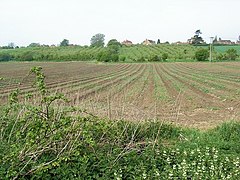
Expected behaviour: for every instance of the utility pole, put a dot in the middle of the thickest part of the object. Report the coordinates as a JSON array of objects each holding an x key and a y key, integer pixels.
[{"x": 211, "y": 44}]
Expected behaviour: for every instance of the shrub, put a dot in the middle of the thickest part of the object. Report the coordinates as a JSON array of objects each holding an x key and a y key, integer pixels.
[
  {"x": 164, "y": 56},
  {"x": 220, "y": 56},
  {"x": 201, "y": 54},
  {"x": 5, "y": 57},
  {"x": 122, "y": 58},
  {"x": 155, "y": 58},
  {"x": 231, "y": 54},
  {"x": 27, "y": 56}
]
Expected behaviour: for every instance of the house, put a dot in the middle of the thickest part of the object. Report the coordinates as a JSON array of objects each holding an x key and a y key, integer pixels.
[
  {"x": 148, "y": 42},
  {"x": 127, "y": 43},
  {"x": 225, "y": 42}
]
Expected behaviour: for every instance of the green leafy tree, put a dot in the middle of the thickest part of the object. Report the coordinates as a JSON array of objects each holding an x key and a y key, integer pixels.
[
  {"x": 98, "y": 40},
  {"x": 108, "y": 55},
  {"x": 201, "y": 54},
  {"x": 64, "y": 42},
  {"x": 111, "y": 52},
  {"x": 158, "y": 41},
  {"x": 197, "y": 39},
  {"x": 113, "y": 42},
  {"x": 34, "y": 45}
]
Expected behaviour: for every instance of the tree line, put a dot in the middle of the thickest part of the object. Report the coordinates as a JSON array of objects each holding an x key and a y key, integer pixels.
[{"x": 98, "y": 51}]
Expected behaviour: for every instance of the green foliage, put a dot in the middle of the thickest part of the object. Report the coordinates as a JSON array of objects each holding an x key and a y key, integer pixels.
[
  {"x": 202, "y": 54},
  {"x": 108, "y": 56},
  {"x": 98, "y": 40},
  {"x": 113, "y": 42},
  {"x": 164, "y": 56},
  {"x": 5, "y": 57},
  {"x": 64, "y": 42},
  {"x": 146, "y": 53},
  {"x": 220, "y": 56},
  {"x": 131, "y": 53},
  {"x": 41, "y": 141},
  {"x": 231, "y": 54},
  {"x": 197, "y": 39},
  {"x": 27, "y": 56},
  {"x": 111, "y": 53},
  {"x": 122, "y": 58},
  {"x": 34, "y": 45},
  {"x": 155, "y": 58}
]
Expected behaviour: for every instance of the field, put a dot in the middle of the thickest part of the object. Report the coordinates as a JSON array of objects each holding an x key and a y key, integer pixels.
[
  {"x": 222, "y": 49},
  {"x": 200, "y": 95}
]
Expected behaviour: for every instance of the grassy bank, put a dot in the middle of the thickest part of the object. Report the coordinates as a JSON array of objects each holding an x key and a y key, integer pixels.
[{"x": 91, "y": 148}]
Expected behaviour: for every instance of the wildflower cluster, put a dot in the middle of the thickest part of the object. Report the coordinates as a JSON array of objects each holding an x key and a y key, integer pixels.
[{"x": 200, "y": 164}]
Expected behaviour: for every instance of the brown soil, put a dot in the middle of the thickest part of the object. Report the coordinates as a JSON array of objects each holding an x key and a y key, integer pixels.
[{"x": 127, "y": 91}]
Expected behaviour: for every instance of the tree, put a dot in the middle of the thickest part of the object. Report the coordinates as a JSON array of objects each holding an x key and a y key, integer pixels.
[
  {"x": 98, "y": 40},
  {"x": 114, "y": 46},
  {"x": 197, "y": 39},
  {"x": 34, "y": 45},
  {"x": 113, "y": 42},
  {"x": 111, "y": 52},
  {"x": 64, "y": 42},
  {"x": 158, "y": 41},
  {"x": 108, "y": 55},
  {"x": 202, "y": 54},
  {"x": 11, "y": 45}
]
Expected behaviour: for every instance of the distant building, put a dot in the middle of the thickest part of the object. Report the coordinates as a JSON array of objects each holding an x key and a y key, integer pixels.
[
  {"x": 148, "y": 42},
  {"x": 224, "y": 42},
  {"x": 127, "y": 43}
]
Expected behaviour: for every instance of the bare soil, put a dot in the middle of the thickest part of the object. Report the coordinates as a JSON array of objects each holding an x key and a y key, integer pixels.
[{"x": 199, "y": 95}]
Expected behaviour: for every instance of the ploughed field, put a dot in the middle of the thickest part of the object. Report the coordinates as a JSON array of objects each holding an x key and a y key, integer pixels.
[{"x": 200, "y": 95}]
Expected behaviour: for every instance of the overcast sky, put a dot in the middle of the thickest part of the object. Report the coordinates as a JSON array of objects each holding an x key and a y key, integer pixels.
[{"x": 50, "y": 21}]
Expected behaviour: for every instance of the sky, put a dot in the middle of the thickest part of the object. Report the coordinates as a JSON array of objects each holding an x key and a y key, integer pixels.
[{"x": 50, "y": 21}]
